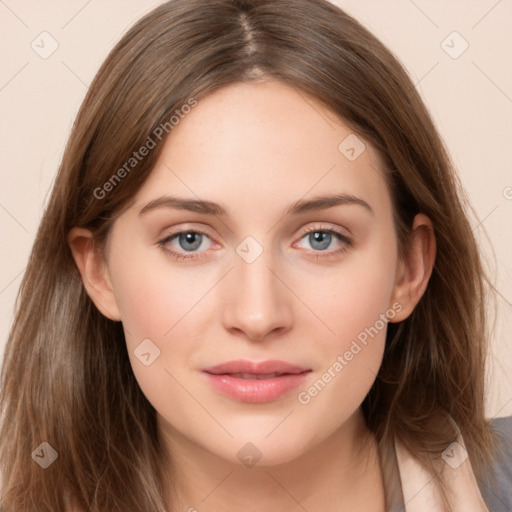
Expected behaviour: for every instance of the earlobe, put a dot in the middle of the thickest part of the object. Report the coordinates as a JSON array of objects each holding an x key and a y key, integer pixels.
[
  {"x": 414, "y": 270},
  {"x": 94, "y": 272}
]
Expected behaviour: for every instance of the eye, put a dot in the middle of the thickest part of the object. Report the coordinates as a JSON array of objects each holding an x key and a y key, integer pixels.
[
  {"x": 321, "y": 239},
  {"x": 184, "y": 244}
]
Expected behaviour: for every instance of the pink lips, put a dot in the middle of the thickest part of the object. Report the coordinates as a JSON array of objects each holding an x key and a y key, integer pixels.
[{"x": 249, "y": 381}]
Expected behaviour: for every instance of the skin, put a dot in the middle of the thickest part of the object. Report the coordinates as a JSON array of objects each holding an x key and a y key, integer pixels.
[{"x": 257, "y": 148}]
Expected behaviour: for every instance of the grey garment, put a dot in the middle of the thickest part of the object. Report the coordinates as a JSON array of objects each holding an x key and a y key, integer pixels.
[{"x": 496, "y": 488}]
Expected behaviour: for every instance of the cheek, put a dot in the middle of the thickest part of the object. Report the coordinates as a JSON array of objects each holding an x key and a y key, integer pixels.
[
  {"x": 155, "y": 296},
  {"x": 351, "y": 357},
  {"x": 164, "y": 304},
  {"x": 147, "y": 304},
  {"x": 153, "y": 306},
  {"x": 351, "y": 300},
  {"x": 354, "y": 303}
]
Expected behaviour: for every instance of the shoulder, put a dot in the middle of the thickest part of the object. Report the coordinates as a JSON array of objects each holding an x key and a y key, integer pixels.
[{"x": 497, "y": 488}]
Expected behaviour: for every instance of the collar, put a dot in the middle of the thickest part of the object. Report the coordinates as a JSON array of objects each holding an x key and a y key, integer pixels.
[{"x": 410, "y": 487}]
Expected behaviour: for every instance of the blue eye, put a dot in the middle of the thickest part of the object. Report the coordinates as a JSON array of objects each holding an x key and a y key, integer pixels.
[
  {"x": 189, "y": 242},
  {"x": 320, "y": 240}
]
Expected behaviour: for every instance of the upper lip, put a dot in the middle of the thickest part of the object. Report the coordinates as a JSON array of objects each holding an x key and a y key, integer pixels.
[{"x": 255, "y": 368}]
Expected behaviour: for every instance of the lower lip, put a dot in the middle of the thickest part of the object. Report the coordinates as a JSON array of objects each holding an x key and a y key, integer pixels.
[{"x": 256, "y": 390}]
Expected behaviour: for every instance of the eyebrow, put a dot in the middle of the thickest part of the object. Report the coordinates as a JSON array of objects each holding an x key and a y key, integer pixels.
[{"x": 299, "y": 207}]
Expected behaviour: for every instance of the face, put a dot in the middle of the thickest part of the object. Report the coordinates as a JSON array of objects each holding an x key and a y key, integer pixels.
[{"x": 291, "y": 263}]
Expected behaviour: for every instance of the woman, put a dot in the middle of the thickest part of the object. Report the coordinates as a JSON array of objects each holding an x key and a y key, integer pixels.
[{"x": 255, "y": 284}]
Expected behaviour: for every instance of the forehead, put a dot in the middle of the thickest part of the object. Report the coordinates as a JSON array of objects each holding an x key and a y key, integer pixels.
[{"x": 263, "y": 144}]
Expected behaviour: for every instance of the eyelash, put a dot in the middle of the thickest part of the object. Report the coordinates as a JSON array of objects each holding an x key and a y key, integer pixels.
[{"x": 346, "y": 243}]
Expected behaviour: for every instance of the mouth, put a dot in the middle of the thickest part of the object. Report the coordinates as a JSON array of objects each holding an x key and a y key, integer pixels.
[
  {"x": 247, "y": 381},
  {"x": 256, "y": 376}
]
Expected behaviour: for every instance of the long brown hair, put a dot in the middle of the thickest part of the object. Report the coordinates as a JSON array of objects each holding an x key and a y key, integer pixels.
[{"x": 66, "y": 376}]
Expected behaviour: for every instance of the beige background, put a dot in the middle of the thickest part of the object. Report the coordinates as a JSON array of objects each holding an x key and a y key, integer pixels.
[{"x": 470, "y": 98}]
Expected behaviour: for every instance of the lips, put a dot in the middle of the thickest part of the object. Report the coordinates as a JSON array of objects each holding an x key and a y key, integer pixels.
[
  {"x": 248, "y": 381},
  {"x": 253, "y": 376},
  {"x": 264, "y": 368}
]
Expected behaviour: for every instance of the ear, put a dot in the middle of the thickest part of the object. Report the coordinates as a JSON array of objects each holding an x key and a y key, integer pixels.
[
  {"x": 415, "y": 268},
  {"x": 93, "y": 268}
]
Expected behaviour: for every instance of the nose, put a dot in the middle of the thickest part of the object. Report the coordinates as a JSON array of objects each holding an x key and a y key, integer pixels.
[{"x": 258, "y": 303}]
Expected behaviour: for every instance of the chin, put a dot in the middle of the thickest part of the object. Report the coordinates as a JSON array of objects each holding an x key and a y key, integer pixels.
[{"x": 262, "y": 452}]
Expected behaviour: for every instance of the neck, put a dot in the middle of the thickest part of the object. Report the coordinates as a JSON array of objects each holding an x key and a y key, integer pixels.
[{"x": 334, "y": 475}]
